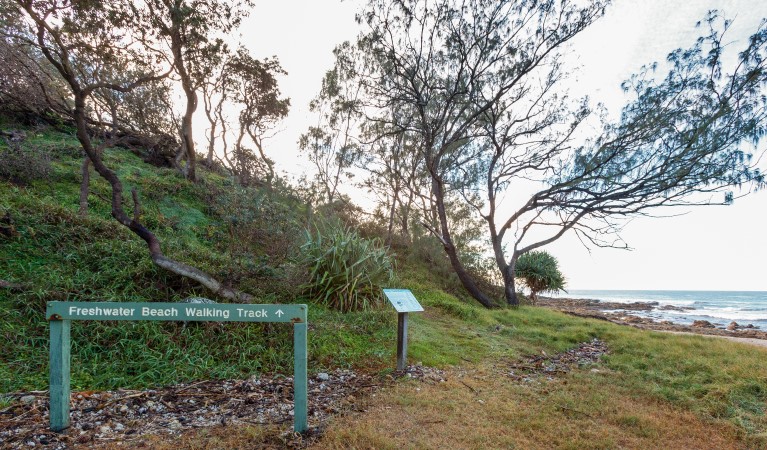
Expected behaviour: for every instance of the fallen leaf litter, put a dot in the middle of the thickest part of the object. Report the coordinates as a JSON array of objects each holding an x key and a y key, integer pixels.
[
  {"x": 585, "y": 354},
  {"x": 127, "y": 415}
]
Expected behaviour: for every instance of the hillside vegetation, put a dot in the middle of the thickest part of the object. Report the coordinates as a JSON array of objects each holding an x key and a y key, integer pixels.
[{"x": 248, "y": 237}]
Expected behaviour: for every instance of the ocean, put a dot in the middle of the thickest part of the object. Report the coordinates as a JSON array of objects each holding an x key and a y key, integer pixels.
[{"x": 718, "y": 307}]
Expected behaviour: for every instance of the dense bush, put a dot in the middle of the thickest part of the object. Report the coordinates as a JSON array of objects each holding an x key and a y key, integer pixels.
[
  {"x": 23, "y": 164},
  {"x": 539, "y": 271},
  {"x": 346, "y": 271}
]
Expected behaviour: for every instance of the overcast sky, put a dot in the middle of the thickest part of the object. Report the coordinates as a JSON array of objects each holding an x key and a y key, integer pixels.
[{"x": 707, "y": 248}]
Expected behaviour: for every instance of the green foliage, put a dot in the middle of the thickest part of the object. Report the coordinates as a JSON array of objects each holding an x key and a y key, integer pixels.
[
  {"x": 540, "y": 272},
  {"x": 24, "y": 164},
  {"x": 346, "y": 271},
  {"x": 58, "y": 255}
]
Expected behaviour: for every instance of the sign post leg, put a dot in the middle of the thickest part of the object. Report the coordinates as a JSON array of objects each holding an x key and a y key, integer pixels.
[
  {"x": 401, "y": 341},
  {"x": 59, "y": 372},
  {"x": 299, "y": 377}
]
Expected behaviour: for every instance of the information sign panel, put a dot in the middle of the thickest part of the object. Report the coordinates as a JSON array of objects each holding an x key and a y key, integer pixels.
[{"x": 403, "y": 300}]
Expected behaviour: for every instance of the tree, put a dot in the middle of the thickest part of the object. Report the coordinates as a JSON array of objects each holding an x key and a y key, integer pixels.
[
  {"x": 333, "y": 144},
  {"x": 261, "y": 108},
  {"x": 480, "y": 83},
  {"x": 442, "y": 65},
  {"x": 72, "y": 37},
  {"x": 28, "y": 85},
  {"x": 249, "y": 87},
  {"x": 189, "y": 29},
  {"x": 539, "y": 271}
]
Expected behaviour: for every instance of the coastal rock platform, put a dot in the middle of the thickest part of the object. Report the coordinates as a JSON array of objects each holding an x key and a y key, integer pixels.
[{"x": 596, "y": 309}]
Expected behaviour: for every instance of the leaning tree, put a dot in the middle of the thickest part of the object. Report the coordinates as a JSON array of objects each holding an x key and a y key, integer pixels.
[{"x": 482, "y": 84}]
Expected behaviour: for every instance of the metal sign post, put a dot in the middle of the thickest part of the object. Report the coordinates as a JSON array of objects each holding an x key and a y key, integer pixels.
[
  {"x": 60, "y": 315},
  {"x": 404, "y": 302}
]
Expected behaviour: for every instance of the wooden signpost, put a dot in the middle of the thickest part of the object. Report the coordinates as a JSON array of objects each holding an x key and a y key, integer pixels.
[
  {"x": 60, "y": 315},
  {"x": 404, "y": 302}
]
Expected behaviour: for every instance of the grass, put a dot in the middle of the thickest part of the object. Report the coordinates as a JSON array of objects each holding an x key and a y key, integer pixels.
[
  {"x": 575, "y": 411},
  {"x": 651, "y": 388}
]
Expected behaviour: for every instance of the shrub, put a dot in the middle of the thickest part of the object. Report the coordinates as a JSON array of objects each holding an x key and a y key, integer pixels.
[
  {"x": 539, "y": 271},
  {"x": 22, "y": 165},
  {"x": 346, "y": 271}
]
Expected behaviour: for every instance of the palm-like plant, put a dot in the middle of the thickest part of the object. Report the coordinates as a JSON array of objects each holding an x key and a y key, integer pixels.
[
  {"x": 539, "y": 271},
  {"x": 346, "y": 271}
]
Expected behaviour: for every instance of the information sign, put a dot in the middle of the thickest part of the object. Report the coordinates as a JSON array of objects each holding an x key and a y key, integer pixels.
[
  {"x": 60, "y": 315},
  {"x": 403, "y": 300}
]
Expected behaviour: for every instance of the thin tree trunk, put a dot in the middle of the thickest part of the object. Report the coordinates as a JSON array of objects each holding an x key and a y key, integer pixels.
[
  {"x": 85, "y": 186},
  {"x": 506, "y": 269},
  {"x": 187, "y": 141},
  {"x": 392, "y": 211},
  {"x": 211, "y": 145}
]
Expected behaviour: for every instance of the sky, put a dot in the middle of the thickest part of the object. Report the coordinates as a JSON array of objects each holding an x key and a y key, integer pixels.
[{"x": 702, "y": 248}]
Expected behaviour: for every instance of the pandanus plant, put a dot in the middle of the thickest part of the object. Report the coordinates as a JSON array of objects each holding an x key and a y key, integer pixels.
[{"x": 346, "y": 271}]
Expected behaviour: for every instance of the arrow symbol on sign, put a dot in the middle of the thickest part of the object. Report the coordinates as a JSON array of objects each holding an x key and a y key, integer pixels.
[{"x": 279, "y": 313}]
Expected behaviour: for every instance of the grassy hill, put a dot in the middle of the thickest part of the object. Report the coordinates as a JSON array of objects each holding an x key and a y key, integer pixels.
[{"x": 245, "y": 236}]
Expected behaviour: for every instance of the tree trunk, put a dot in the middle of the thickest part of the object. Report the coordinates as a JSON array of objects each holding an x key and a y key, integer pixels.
[
  {"x": 468, "y": 283},
  {"x": 133, "y": 224},
  {"x": 85, "y": 186},
  {"x": 211, "y": 144},
  {"x": 187, "y": 141},
  {"x": 509, "y": 288},
  {"x": 392, "y": 212}
]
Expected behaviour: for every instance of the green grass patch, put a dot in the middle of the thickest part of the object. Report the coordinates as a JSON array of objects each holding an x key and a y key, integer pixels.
[{"x": 58, "y": 255}]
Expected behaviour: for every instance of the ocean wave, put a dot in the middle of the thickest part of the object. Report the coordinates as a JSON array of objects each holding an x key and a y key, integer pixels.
[{"x": 725, "y": 313}]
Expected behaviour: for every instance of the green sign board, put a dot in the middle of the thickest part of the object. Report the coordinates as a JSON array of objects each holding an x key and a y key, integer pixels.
[
  {"x": 175, "y": 312},
  {"x": 60, "y": 315}
]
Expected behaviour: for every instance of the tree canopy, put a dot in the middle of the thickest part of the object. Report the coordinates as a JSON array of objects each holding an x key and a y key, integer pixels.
[{"x": 480, "y": 88}]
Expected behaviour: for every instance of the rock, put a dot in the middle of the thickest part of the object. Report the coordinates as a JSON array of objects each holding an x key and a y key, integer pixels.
[
  {"x": 198, "y": 300},
  {"x": 28, "y": 399},
  {"x": 733, "y": 326},
  {"x": 703, "y": 324},
  {"x": 672, "y": 308},
  {"x": 119, "y": 427},
  {"x": 105, "y": 429},
  {"x": 322, "y": 376},
  {"x": 632, "y": 319}
]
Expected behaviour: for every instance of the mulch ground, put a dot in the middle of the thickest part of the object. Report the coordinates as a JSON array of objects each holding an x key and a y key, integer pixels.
[
  {"x": 126, "y": 417},
  {"x": 100, "y": 418}
]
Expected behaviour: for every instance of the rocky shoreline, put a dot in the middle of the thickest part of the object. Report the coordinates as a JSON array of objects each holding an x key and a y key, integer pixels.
[{"x": 597, "y": 309}]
